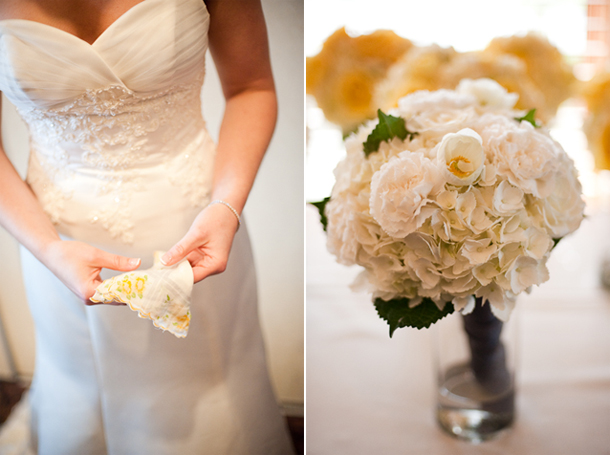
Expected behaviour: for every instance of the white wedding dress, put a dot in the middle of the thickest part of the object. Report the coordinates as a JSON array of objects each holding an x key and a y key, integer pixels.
[{"x": 121, "y": 159}]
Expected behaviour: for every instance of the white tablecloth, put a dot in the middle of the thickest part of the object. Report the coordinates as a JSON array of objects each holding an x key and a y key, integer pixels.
[{"x": 369, "y": 394}]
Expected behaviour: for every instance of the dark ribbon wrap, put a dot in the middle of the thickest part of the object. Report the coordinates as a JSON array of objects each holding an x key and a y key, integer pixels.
[{"x": 488, "y": 355}]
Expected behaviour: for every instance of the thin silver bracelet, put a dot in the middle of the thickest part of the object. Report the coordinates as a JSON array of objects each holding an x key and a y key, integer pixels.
[{"x": 220, "y": 201}]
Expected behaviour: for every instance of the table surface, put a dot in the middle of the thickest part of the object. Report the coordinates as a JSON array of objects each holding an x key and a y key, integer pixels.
[{"x": 369, "y": 394}]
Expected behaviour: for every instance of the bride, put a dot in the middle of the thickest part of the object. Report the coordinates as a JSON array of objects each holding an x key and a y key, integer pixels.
[{"x": 122, "y": 165}]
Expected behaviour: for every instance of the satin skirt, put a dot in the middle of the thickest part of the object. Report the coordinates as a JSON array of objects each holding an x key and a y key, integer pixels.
[{"x": 108, "y": 382}]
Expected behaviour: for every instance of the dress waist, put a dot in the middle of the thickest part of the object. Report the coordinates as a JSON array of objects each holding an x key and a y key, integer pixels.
[
  {"x": 116, "y": 129},
  {"x": 121, "y": 198}
]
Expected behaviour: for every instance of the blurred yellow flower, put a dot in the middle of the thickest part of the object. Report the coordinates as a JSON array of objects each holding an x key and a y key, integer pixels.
[
  {"x": 506, "y": 70},
  {"x": 343, "y": 75},
  {"x": 419, "y": 69},
  {"x": 597, "y": 124},
  {"x": 354, "y": 76},
  {"x": 434, "y": 67},
  {"x": 545, "y": 65}
]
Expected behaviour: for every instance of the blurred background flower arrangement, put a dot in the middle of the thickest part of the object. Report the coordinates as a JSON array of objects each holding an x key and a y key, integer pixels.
[{"x": 353, "y": 76}]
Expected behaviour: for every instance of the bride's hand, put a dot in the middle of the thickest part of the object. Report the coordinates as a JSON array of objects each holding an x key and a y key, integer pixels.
[
  {"x": 207, "y": 243},
  {"x": 78, "y": 266}
]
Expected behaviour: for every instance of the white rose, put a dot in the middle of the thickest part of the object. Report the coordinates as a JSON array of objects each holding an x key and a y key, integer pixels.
[
  {"x": 488, "y": 93},
  {"x": 401, "y": 192},
  {"x": 461, "y": 154}
]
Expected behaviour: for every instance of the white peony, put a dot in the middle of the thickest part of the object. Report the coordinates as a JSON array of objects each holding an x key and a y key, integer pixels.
[
  {"x": 525, "y": 156},
  {"x": 401, "y": 193},
  {"x": 561, "y": 212}
]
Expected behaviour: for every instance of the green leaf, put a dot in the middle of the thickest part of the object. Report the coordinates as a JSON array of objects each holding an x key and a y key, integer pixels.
[
  {"x": 398, "y": 314},
  {"x": 321, "y": 205},
  {"x": 555, "y": 242},
  {"x": 529, "y": 117},
  {"x": 388, "y": 128}
]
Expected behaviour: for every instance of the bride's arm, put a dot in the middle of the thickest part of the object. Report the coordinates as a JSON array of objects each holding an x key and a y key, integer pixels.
[
  {"x": 76, "y": 264},
  {"x": 238, "y": 43}
]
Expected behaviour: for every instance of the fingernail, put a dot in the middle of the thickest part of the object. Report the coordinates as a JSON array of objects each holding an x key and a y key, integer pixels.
[
  {"x": 134, "y": 262},
  {"x": 166, "y": 258}
]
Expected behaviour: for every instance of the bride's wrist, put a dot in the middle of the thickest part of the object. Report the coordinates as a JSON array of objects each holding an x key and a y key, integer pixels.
[
  {"x": 229, "y": 207},
  {"x": 48, "y": 251}
]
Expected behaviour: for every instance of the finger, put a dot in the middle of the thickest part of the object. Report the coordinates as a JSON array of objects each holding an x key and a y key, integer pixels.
[
  {"x": 213, "y": 268},
  {"x": 180, "y": 250},
  {"x": 116, "y": 262}
]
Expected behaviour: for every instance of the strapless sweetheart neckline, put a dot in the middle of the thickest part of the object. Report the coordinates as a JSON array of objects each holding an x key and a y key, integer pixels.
[{"x": 131, "y": 11}]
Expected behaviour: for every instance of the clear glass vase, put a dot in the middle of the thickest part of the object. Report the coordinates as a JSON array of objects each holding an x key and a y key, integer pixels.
[{"x": 475, "y": 364}]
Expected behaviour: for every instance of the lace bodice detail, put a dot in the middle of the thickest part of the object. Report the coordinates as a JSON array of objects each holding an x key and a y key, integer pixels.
[
  {"x": 111, "y": 120},
  {"x": 114, "y": 133},
  {"x": 114, "y": 128}
]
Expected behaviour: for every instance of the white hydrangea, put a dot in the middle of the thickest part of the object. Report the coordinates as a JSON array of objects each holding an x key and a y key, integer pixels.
[{"x": 467, "y": 207}]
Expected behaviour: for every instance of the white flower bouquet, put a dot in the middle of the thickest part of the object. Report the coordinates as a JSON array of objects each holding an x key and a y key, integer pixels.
[{"x": 452, "y": 196}]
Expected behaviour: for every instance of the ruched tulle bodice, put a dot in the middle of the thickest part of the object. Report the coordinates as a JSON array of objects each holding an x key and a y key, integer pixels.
[{"x": 107, "y": 118}]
